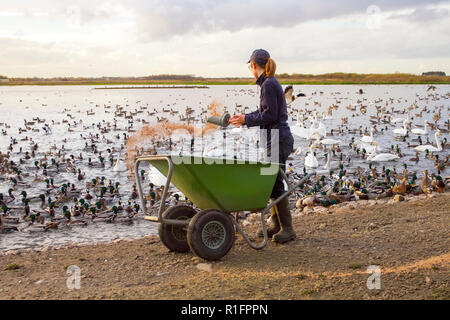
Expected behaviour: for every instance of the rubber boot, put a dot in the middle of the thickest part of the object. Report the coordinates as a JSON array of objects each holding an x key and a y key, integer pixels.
[
  {"x": 287, "y": 232},
  {"x": 275, "y": 223}
]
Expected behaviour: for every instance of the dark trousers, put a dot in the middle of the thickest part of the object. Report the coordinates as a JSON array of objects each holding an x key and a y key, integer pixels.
[{"x": 286, "y": 146}]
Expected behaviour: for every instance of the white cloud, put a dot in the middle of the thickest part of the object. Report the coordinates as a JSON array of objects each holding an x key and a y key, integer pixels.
[{"x": 215, "y": 38}]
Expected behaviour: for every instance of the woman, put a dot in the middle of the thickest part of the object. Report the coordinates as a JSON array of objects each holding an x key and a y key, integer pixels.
[{"x": 272, "y": 115}]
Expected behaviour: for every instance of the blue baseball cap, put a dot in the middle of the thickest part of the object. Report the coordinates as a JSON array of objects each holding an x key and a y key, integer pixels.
[{"x": 259, "y": 56}]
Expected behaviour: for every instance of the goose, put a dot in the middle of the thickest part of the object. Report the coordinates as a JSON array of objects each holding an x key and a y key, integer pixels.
[
  {"x": 311, "y": 160},
  {"x": 421, "y": 131},
  {"x": 402, "y": 131},
  {"x": 429, "y": 147},
  {"x": 382, "y": 156}
]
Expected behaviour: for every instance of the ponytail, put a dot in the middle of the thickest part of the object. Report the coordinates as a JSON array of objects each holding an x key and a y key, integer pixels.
[{"x": 270, "y": 68}]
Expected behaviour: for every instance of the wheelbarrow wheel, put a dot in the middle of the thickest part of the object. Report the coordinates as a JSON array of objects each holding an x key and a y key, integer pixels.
[
  {"x": 211, "y": 234},
  {"x": 173, "y": 236}
]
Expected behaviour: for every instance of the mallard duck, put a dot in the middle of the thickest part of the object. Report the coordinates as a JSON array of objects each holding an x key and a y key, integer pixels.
[
  {"x": 310, "y": 201},
  {"x": 10, "y": 219},
  {"x": 416, "y": 158},
  {"x": 401, "y": 188},
  {"x": 108, "y": 218},
  {"x": 425, "y": 185},
  {"x": 80, "y": 175},
  {"x": 87, "y": 196},
  {"x": 438, "y": 184}
]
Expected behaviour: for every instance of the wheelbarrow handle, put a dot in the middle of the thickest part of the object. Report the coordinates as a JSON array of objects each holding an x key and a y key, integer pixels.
[
  {"x": 290, "y": 188},
  {"x": 162, "y": 206}
]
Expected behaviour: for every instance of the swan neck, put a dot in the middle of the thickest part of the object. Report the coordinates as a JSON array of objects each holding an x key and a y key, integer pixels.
[{"x": 438, "y": 144}]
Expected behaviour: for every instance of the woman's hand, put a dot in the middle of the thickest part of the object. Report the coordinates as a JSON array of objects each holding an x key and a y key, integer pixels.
[{"x": 237, "y": 120}]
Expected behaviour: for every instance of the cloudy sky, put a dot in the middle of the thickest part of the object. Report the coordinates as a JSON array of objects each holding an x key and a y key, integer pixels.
[{"x": 47, "y": 38}]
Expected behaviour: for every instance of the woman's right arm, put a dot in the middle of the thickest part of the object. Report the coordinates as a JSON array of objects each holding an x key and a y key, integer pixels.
[{"x": 268, "y": 110}]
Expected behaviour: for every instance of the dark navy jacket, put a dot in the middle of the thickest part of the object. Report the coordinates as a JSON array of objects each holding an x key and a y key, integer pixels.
[{"x": 272, "y": 112}]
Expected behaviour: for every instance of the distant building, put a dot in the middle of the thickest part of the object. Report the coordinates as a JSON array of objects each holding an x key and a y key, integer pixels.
[{"x": 434, "y": 73}]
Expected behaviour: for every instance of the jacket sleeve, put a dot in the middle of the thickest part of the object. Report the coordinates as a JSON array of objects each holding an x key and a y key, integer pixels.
[{"x": 268, "y": 110}]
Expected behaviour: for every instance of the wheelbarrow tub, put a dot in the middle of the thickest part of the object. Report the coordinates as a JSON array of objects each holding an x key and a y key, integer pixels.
[{"x": 224, "y": 184}]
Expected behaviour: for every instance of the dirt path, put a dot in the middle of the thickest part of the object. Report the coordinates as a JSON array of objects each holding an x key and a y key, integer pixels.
[{"x": 409, "y": 241}]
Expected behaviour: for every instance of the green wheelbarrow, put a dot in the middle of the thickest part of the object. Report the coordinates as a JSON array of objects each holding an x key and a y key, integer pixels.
[{"x": 219, "y": 188}]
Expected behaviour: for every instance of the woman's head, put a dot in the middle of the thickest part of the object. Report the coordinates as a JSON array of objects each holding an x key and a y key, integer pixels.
[{"x": 260, "y": 62}]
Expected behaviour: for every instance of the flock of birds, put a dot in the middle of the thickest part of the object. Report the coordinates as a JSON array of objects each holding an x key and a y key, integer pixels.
[
  {"x": 69, "y": 171},
  {"x": 339, "y": 181}
]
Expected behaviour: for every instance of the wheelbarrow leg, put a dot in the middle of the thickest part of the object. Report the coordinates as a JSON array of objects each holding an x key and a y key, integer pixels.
[
  {"x": 266, "y": 210},
  {"x": 264, "y": 228}
]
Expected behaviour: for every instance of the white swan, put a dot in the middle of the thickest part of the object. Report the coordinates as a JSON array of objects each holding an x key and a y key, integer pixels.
[
  {"x": 368, "y": 139},
  {"x": 321, "y": 130},
  {"x": 402, "y": 131},
  {"x": 429, "y": 147},
  {"x": 299, "y": 130},
  {"x": 382, "y": 156},
  {"x": 299, "y": 123},
  {"x": 330, "y": 165},
  {"x": 311, "y": 160},
  {"x": 395, "y": 120},
  {"x": 156, "y": 177},
  {"x": 421, "y": 131},
  {"x": 329, "y": 142},
  {"x": 298, "y": 151},
  {"x": 236, "y": 131},
  {"x": 312, "y": 132},
  {"x": 120, "y": 166},
  {"x": 326, "y": 117}
]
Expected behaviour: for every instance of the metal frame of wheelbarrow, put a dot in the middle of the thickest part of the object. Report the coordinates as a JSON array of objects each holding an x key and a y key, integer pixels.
[{"x": 162, "y": 207}]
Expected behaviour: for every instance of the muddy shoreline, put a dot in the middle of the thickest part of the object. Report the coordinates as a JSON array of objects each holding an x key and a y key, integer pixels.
[{"x": 407, "y": 240}]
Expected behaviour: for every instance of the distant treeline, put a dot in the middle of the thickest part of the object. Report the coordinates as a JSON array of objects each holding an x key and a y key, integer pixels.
[
  {"x": 356, "y": 78},
  {"x": 296, "y": 78}
]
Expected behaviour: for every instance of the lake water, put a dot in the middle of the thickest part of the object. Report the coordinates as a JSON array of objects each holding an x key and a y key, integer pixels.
[{"x": 54, "y": 103}]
